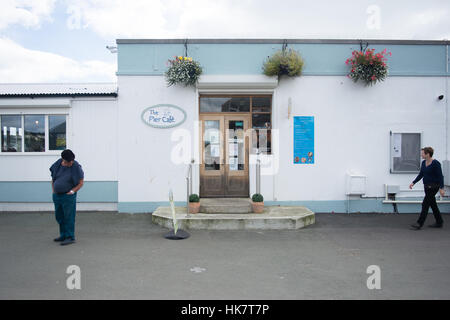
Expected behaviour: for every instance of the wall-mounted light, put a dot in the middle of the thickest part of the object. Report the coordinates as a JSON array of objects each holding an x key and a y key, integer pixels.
[
  {"x": 289, "y": 107},
  {"x": 112, "y": 49}
]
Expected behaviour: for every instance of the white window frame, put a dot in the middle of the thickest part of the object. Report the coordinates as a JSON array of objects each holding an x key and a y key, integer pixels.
[
  {"x": 45, "y": 113},
  {"x": 391, "y": 154}
]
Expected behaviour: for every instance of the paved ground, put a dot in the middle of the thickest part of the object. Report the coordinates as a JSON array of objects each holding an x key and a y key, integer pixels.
[{"x": 124, "y": 256}]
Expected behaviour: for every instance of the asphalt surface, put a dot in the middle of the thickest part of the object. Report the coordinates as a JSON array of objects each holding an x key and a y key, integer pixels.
[{"x": 123, "y": 256}]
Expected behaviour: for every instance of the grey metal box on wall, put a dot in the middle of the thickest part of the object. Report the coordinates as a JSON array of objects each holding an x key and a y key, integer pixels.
[
  {"x": 446, "y": 172},
  {"x": 393, "y": 188}
]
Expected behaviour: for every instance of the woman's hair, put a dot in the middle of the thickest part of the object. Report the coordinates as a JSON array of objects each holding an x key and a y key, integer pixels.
[
  {"x": 428, "y": 150},
  {"x": 68, "y": 155}
]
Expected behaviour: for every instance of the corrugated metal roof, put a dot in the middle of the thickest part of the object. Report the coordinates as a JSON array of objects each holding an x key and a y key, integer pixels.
[{"x": 58, "y": 89}]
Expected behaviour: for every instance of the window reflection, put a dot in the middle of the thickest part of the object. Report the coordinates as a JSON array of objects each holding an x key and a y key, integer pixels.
[
  {"x": 261, "y": 141},
  {"x": 261, "y": 121},
  {"x": 261, "y": 104},
  {"x": 236, "y": 150},
  {"x": 34, "y": 133},
  {"x": 211, "y": 140},
  {"x": 57, "y": 132},
  {"x": 12, "y": 133},
  {"x": 224, "y": 104}
]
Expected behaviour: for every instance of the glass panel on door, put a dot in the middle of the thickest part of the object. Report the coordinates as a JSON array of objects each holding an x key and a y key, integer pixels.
[
  {"x": 236, "y": 151},
  {"x": 211, "y": 140}
]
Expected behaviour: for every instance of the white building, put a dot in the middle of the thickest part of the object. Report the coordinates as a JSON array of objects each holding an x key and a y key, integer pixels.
[{"x": 361, "y": 138}]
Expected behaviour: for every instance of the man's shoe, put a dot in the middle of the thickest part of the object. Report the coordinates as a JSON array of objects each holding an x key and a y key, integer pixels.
[
  {"x": 59, "y": 239},
  {"x": 416, "y": 226},
  {"x": 67, "y": 241},
  {"x": 436, "y": 225}
]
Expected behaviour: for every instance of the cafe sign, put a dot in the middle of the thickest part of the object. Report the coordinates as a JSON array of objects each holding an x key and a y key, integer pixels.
[{"x": 163, "y": 116}]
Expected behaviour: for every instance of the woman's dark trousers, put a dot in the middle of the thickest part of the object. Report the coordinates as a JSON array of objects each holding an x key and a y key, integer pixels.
[{"x": 430, "y": 201}]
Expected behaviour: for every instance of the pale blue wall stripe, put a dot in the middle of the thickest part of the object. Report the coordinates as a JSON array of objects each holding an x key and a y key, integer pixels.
[
  {"x": 340, "y": 206},
  {"x": 145, "y": 207},
  {"x": 41, "y": 191},
  {"x": 320, "y": 58}
]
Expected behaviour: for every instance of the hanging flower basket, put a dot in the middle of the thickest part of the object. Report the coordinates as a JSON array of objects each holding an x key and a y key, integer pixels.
[
  {"x": 368, "y": 66},
  {"x": 183, "y": 70},
  {"x": 284, "y": 62}
]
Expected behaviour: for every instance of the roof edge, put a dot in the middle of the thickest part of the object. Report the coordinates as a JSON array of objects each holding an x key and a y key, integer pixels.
[
  {"x": 56, "y": 95},
  {"x": 58, "y": 83},
  {"x": 281, "y": 41}
]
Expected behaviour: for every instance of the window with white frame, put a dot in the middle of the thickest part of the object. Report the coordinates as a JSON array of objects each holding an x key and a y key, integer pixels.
[
  {"x": 33, "y": 132},
  {"x": 405, "y": 152}
]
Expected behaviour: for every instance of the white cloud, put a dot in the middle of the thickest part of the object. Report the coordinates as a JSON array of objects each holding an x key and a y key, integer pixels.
[
  {"x": 18, "y": 64},
  {"x": 118, "y": 17},
  {"x": 401, "y": 19},
  {"x": 28, "y": 13}
]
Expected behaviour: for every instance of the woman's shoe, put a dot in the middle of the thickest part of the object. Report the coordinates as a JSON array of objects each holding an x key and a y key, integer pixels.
[
  {"x": 436, "y": 225},
  {"x": 416, "y": 226},
  {"x": 59, "y": 239}
]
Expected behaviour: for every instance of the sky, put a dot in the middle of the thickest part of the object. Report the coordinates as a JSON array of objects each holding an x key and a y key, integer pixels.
[{"x": 65, "y": 40}]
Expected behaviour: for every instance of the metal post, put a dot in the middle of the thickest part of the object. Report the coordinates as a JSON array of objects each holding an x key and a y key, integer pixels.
[
  {"x": 190, "y": 176},
  {"x": 189, "y": 185},
  {"x": 187, "y": 195}
]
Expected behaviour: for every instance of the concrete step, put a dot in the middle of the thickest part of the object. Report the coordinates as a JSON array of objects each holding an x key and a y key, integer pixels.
[
  {"x": 273, "y": 218},
  {"x": 225, "y": 205}
]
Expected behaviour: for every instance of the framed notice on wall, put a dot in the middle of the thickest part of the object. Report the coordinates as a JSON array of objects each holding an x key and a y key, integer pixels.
[{"x": 303, "y": 140}]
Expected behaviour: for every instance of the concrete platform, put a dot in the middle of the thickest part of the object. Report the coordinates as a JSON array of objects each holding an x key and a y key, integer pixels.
[
  {"x": 225, "y": 205},
  {"x": 273, "y": 218}
]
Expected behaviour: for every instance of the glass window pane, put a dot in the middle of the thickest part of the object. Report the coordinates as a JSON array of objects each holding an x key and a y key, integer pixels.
[
  {"x": 240, "y": 104},
  {"x": 213, "y": 104},
  {"x": 211, "y": 140},
  {"x": 261, "y": 141},
  {"x": 57, "y": 132},
  {"x": 224, "y": 104},
  {"x": 12, "y": 133},
  {"x": 261, "y": 104},
  {"x": 34, "y": 133},
  {"x": 409, "y": 159},
  {"x": 261, "y": 121},
  {"x": 236, "y": 151}
]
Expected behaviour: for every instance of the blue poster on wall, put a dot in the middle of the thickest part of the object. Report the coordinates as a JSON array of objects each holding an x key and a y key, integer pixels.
[{"x": 303, "y": 140}]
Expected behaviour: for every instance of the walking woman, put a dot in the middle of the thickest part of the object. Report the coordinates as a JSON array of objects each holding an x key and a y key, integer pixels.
[{"x": 433, "y": 181}]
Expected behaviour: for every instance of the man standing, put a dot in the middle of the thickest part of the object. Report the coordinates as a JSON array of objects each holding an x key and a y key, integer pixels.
[
  {"x": 67, "y": 179},
  {"x": 433, "y": 181}
]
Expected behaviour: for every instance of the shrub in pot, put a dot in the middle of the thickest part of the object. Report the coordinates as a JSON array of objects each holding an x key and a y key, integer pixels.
[
  {"x": 257, "y": 203},
  {"x": 194, "y": 203}
]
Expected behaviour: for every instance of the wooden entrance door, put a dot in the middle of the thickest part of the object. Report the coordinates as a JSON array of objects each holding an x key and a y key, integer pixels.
[{"x": 224, "y": 152}]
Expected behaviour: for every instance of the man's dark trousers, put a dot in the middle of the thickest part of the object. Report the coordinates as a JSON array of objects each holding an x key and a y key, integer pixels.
[
  {"x": 65, "y": 208},
  {"x": 430, "y": 201}
]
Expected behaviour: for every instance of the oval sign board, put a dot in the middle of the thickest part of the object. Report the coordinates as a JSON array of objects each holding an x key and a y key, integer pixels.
[{"x": 163, "y": 116}]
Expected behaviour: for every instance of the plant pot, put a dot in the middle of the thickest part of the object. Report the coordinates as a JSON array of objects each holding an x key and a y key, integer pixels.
[
  {"x": 257, "y": 207},
  {"x": 194, "y": 207}
]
